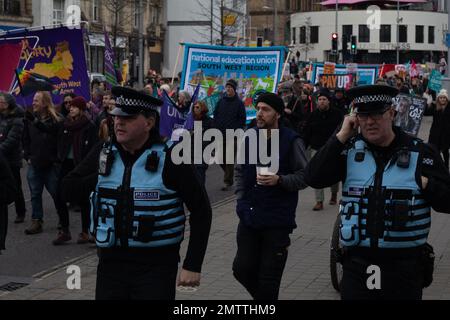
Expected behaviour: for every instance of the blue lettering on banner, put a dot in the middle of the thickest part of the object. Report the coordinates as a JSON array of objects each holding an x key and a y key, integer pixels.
[{"x": 146, "y": 195}]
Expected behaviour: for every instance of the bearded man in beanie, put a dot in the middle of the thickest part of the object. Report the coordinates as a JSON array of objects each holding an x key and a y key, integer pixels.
[
  {"x": 229, "y": 114},
  {"x": 318, "y": 129},
  {"x": 266, "y": 204},
  {"x": 391, "y": 181}
]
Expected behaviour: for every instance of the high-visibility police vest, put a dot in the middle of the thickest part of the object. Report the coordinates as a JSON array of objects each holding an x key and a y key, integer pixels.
[
  {"x": 406, "y": 216},
  {"x": 144, "y": 214}
]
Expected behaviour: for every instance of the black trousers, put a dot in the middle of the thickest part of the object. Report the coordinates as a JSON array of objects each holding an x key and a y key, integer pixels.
[
  {"x": 401, "y": 279},
  {"x": 126, "y": 280},
  {"x": 67, "y": 166},
  {"x": 20, "y": 200},
  {"x": 3, "y": 225},
  {"x": 260, "y": 260}
]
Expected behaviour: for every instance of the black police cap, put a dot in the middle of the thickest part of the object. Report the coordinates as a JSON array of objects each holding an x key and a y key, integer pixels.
[
  {"x": 371, "y": 98},
  {"x": 130, "y": 102}
]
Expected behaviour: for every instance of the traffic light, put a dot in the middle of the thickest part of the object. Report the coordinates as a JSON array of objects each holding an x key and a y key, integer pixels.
[
  {"x": 334, "y": 43},
  {"x": 344, "y": 45},
  {"x": 353, "y": 47}
]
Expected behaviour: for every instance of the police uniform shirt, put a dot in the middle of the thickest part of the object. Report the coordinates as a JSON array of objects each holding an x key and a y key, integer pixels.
[
  {"x": 329, "y": 166},
  {"x": 181, "y": 178}
]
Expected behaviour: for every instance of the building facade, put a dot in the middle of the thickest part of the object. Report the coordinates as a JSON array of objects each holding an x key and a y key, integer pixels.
[
  {"x": 420, "y": 33},
  {"x": 15, "y": 14},
  {"x": 263, "y": 17},
  {"x": 199, "y": 21}
]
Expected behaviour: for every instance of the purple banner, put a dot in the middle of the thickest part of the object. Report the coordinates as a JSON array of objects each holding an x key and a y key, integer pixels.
[
  {"x": 171, "y": 118},
  {"x": 110, "y": 72},
  {"x": 57, "y": 54}
]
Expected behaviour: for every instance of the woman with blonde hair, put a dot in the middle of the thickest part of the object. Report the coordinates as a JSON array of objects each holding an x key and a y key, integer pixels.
[
  {"x": 40, "y": 139},
  {"x": 440, "y": 128}
]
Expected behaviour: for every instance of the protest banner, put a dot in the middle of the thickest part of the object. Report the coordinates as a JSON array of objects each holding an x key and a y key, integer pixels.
[
  {"x": 366, "y": 74},
  {"x": 410, "y": 110},
  {"x": 351, "y": 68},
  {"x": 110, "y": 69},
  {"x": 400, "y": 69},
  {"x": 335, "y": 81},
  {"x": 212, "y": 66},
  {"x": 9, "y": 57},
  {"x": 329, "y": 68},
  {"x": 55, "y": 53},
  {"x": 435, "y": 82}
]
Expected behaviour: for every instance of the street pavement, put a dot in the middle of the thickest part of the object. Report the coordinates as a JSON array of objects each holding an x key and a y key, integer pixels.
[{"x": 306, "y": 276}]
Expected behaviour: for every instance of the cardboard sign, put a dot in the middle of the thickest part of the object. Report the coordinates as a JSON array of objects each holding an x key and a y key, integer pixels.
[
  {"x": 334, "y": 81},
  {"x": 329, "y": 68},
  {"x": 410, "y": 111}
]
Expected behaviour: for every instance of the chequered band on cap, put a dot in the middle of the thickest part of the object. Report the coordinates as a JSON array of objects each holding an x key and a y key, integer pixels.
[
  {"x": 373, "y": 98},
  {"x": 130, "y": 102}
]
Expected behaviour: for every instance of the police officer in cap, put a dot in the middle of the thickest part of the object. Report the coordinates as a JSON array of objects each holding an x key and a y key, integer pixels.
[
  {"x": 391, "y": 181},
  {"x": 137, "y": 212}
]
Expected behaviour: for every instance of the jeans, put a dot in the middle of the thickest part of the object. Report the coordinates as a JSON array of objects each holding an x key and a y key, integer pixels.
[
  {"x": 37, "y": 179},
  {"x": 126, "y": 280},
  {"x": 20, "y": 200},
  {"x": 260, "y": 260}
]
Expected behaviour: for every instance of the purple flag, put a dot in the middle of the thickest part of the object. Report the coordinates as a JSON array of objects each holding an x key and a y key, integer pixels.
[
  {"x": 171, "y": 118},
  {"x": 56, "y": 53},
  {"x": 189, "y": 125},
  {"x": 110, "y": 71}
]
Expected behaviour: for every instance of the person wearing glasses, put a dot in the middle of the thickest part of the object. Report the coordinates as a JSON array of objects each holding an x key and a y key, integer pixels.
[
  {"x": 64, "y": 107},
  {"x": 391, "y": 181}
]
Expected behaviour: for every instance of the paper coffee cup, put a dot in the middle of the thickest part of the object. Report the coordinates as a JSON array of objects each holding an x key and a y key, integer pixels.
[{"x": 264, "y": 171}]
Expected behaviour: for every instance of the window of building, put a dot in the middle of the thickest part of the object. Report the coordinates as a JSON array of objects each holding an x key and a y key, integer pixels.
[
  {"x": 303, "y": 34},
  {"x": 314, "y": 34},
  {"x": 347, "y": 30},
  {"x": 58, "y": 11},
  {"x": 364, "y": 33},
  {"x": 10, "y": 7},
  {"x": 294, "y": 35},
  {"x": 403, "y": 33},
  {"x": 95, "y": 12},
  {"x": 419, "y": 34},
  {"x": 385, "y": 33},
  {"x": 431, "y": 34}
]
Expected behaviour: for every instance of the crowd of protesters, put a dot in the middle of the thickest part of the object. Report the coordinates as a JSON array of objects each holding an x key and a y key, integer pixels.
[{"x": 53, "y": 139}]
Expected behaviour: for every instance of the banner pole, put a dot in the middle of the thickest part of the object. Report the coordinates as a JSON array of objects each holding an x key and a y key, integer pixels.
[
  {"x": 180, "y": 47},
  {"x": 284, "y": 65},
  {"x": 381, "y": 72}
]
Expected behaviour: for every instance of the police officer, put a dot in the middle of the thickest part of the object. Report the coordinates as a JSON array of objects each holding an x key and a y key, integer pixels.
[
  {"x": 137, "y": 213},
  {"x": 390, "y": 183}
]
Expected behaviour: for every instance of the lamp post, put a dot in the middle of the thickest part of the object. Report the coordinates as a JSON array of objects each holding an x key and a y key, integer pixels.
[
  {"x": 275, "y": 21},
  {"x": 336, "y": 29},
  {"x": 141, "y": 46},
  {"x": 275, "y": 18},
  {"x": 447, "y": 68}
]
